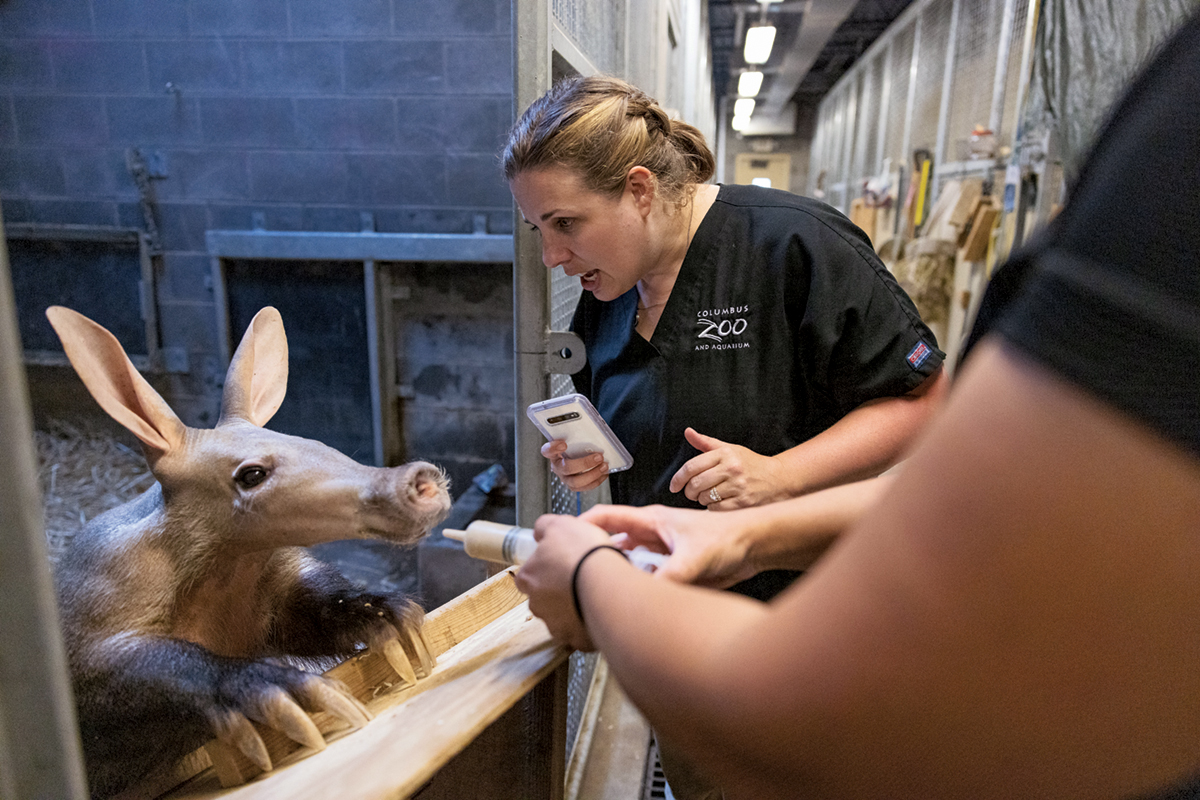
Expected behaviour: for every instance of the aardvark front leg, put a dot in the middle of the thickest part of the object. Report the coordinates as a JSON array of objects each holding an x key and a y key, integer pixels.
[{"x": 150, "y": 700}]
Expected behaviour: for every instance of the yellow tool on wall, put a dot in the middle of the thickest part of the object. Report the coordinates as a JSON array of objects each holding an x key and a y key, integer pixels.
[{"x": 922, "y": 158}]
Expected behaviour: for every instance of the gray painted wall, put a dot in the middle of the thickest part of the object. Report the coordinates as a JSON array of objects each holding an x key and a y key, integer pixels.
[{"x": 295, "y": 114}]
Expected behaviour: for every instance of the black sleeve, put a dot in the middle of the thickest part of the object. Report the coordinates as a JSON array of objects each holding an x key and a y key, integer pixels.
[
  {"x": 1112, "y": 297},
  {"x": 867, "y": 335}
]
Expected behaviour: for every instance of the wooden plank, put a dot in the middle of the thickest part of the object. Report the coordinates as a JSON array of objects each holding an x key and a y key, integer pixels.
[
  {"x": 968, "y": 200},
  {"x": 520, "y": 756},
  {"x": 445, "y": 627},
  {"x": 976, "y": 246},
  {"x": 367, "y": 676},
  {"x": 415, "y": 733}
]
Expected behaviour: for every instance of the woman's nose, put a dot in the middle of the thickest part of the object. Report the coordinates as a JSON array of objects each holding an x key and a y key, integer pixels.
[{"x": 552, "y": 254}]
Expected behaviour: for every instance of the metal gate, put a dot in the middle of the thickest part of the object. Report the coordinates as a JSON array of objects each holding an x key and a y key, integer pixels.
[{"x": 662, "y": 47}]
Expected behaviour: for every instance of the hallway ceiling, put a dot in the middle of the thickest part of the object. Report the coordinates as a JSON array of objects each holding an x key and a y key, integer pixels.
[{"x": 816, "y": 42}]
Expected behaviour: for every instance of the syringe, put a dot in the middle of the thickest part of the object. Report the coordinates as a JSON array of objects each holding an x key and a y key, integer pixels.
[{"x": 510, "y": 544}]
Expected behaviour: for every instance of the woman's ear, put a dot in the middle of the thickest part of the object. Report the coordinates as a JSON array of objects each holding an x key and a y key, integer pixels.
[{"x": 640, "y": 183}]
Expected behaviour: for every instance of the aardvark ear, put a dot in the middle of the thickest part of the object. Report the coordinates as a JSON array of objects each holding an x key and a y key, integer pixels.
[
  {"x": 257, "y": 377},
  {"x": 115, "y": 383}
]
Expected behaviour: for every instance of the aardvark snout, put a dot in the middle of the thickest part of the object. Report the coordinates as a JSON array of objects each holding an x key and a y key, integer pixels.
[
  {"x": 404, "y": 502},
  {"x": 426, "y": 484}
]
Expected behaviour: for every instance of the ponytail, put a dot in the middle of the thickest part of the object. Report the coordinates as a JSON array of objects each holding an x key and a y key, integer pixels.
[{"x": 600, "y": 128}]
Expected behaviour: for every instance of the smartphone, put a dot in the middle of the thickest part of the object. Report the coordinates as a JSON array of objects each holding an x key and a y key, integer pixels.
[{"x": 573, "y": 418}]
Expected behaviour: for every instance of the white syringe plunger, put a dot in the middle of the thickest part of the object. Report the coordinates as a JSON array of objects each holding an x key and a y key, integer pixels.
[
  {"x": 495, "y": 541},
  {"x": 511, "y": 544}
]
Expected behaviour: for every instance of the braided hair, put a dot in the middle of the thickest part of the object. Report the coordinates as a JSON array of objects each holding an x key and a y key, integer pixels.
[{"x": 601, "y": 127}]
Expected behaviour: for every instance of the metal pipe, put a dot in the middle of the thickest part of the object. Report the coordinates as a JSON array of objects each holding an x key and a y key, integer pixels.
[
  {"x": 1000, "y": 80},
  {"x": 40, "y": 755},
  {"x": 531, "y": 280},
  {"x": 885, "y": 99},
  {"x": 911, "y": 100},
  {"x": 944, "y": 106},
  {"x": 374, "y": 370}
]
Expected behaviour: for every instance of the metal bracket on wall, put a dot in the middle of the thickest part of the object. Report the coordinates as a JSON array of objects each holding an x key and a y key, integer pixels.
[{"x": 565, "y": 353}]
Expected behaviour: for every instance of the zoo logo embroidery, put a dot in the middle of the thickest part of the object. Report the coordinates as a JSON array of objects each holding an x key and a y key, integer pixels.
[{"x": 716, "y": 324}]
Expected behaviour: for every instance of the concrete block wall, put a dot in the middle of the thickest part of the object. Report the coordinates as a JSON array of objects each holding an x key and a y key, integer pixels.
[
  {"x": 302, "y": 114},
  {"x": 454, "y": 345}
]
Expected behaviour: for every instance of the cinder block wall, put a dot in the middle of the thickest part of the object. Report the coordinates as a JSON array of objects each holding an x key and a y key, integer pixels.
[{"x": 302, "y": 114}]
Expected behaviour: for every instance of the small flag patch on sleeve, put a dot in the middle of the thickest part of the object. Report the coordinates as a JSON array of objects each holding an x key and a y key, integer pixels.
[{"x": 916, "y": 356}]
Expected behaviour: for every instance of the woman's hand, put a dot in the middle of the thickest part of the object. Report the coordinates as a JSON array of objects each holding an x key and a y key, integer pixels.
[
  {"x": 727, "y": 476},
  {"x": 706, "y": 550},
  {"x": 577, "y": 474},
  {"x": 546, "y": 576}
]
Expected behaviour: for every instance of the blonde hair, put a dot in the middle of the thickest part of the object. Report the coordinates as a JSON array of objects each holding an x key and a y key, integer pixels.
[{"x": 601, "y": 127}]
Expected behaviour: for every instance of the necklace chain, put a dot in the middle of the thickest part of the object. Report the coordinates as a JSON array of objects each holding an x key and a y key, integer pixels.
[{"x": 637, "y": 313}]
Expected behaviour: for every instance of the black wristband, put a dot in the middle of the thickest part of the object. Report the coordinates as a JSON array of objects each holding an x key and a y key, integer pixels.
[{"x": 575, "y": 575}]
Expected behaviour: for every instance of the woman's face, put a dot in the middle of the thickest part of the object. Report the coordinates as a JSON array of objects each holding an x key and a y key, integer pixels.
[{"x": 598, "y": 238}]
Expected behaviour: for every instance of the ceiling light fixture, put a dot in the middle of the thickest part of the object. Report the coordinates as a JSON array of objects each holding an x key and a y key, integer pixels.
[
  {"x": 749, "y": 83},
  {"x": 740, "y": 123},
  {"x": 759, "y": 40},
  {"x": 743, "y": 107}
]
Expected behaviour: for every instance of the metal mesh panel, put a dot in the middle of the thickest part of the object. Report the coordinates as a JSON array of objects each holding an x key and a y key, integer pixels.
[
  {"x": 832, "y": 140},
  {"x": 931, "y": 66},
  {"x": 977, "y": 42},
  {"x": 564, "y": 294},
  {"x": 974, "y": 70},
  {"x": 828, "y": 141},
  {"x": 857, "y": 156},
  {"x": 837, "y": 197},
  {"x": 579, "y": 681},
  {"x": 673, "y": 90},
  {"x": 1008, "y": 124},
  {"x": 597, "y": 28},
  {"x": 899, "y": 65},
  {"x": 814, "y": 154},
  {"x": 871, "y": 156},
  {"x": 833, "y": 136},
  {"x": 841, "y": 139}
]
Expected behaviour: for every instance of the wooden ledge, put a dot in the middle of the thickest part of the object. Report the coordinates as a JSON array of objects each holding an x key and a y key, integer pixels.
[{"x": 490, "y": 653}]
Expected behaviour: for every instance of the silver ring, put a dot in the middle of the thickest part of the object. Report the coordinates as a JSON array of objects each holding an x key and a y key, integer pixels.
[{"x": 714, "y": 495}]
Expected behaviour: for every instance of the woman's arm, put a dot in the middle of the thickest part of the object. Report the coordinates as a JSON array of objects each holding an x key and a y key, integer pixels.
[
  {"x": 1015, "y": 617},
  {"x": 860, "y": 445},
  {"x": 719, "y": 550}
]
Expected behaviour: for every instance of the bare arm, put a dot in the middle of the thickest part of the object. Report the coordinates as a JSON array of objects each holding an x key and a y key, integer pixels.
[
  {"x": 860, "y": 445},
  {"x": 1015, "y": 617},
  {"x": 718, "y": 550}
]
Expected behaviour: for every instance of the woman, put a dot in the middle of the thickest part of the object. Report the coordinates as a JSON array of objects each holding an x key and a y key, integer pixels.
[
  {"x": 745, "y": 344},
  {"x": 1016, "y": 615},
  {"x": 751, "y": 325}
]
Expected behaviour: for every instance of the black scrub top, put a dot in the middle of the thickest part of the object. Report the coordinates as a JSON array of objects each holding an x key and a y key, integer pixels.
[{"x": 781, "y": 321}]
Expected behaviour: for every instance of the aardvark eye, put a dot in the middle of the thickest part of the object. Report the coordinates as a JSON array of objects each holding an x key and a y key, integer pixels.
[{"x": 249, "y": 477}]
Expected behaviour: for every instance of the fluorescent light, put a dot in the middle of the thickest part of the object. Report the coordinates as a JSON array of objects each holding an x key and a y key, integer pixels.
[
  {"x": 758, "y": 44},
  {"x": 749, "y": 83},
  {"x": 743, "y": 107},
  {"x": 740, "y": 123}
]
